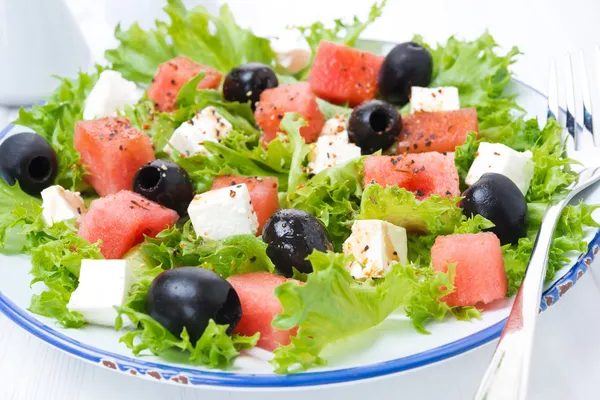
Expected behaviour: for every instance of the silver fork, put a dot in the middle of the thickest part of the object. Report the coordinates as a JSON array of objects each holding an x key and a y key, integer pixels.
[{"x": 507, "y": 375}]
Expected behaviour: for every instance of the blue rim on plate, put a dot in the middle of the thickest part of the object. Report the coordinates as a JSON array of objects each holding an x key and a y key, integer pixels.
[{"x": 195, "y": 377}]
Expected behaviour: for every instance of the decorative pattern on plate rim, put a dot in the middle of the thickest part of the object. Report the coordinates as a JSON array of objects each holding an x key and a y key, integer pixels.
[{"x": 195, "y": 377}]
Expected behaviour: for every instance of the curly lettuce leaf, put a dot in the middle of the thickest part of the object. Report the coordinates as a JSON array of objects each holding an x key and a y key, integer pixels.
[
  {"x": 341, "y": 32},
  {"x": 14, "y": 203},
  {"x": 56, "y": 253},
  {"x": 568, "y": 240},
  {"x": 55, "y": 121},
  {"x": 180, "y": 246},
  {"x": 214, "y": 349},
  {"x": 331, "y": 305},
  {"x": 56, "y": 263},
  {"x": 213, "y": 40},
  {"x": 551, "y": 175},
  {"x": 465, "y": 154},
  {"x": 480, "y": 75},
  {"x": 435, "y": 215},
  {"x": 141, "y": 52},
  {"x": 333, "y": 196}
]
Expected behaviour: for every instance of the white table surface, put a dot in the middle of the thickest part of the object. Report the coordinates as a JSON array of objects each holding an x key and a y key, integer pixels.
[{"x": 31, "y": 369}]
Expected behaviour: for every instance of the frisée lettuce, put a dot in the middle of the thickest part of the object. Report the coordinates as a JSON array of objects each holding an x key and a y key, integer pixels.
[{"x": 331, "y": 305}]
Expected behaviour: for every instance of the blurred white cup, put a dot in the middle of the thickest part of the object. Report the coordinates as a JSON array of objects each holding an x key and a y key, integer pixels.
[{"x": 38, "y": 39}]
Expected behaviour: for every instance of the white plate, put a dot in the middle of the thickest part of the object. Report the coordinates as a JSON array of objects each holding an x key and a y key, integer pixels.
[{"x": 392, "y": 347}]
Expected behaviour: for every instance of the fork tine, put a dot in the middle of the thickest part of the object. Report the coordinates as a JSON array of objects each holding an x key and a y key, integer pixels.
[
  {"x": 570, "y": 123},
  {"x": 553, "y": 110},
  {"x": 587, "y": 125}
]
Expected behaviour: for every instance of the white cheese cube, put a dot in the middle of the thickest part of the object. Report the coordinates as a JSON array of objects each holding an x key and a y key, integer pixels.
[
  {"x": 501, "y": 159},
  {"x": 103, "y": 285},
  {"x": 60, "y": 204},
  {"x": 110, "y": 94},
  {"x": 376, "y": 245},
  {"x": 292, "y": 50},
  {"x": 218, "y": 214},
  {"x": 335, "y": 126},
  {"x": 333, "y": 147},
  {"x": 206, "y": 126},
  {"x": 434, "y": 99}
]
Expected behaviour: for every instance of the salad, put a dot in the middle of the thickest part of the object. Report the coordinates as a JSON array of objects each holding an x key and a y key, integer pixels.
[{"x": 208, "y": 190}]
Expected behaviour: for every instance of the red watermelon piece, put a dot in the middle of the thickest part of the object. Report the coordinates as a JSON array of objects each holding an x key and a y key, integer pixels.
[
  {"x": 424, "y": 174},
  {"x": 112, "y": 151},
  {"x": 121, "y": 220},
  {"x": 175, "y": 73},
  {"x": 480, "y": 275},
  {"x": 263, "y": 193},
  {"x": 436, "y": 131},
  {"x": 259, "y": 307},
  {"x": 341, "y": 74},
  {"x": 297, "y": 97}
]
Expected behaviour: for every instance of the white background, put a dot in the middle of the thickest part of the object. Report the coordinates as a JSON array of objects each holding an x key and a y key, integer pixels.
[{"x": 31, "y": 369}]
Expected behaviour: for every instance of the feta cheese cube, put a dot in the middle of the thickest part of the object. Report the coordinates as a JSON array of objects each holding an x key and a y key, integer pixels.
[
  {"x": 333, "y": 147},
  {"x": 292, "y": 50},
  {"x": 335, "y": 126},
  {"x": 103, "y": 285},
  {"x": 501, "y": 159},
  {"x": 218, "y": 214},
  {"x": 110, "y": 94},
  {"x": 206, "y": 126},
  {"x": 434, "y": 99},
  {"x": 60, "y": 204},
  {"x": 376, "y": 245}
]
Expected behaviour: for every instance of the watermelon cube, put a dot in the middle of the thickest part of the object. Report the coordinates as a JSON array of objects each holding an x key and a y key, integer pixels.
[
  {"x": 122, "y": 220},
  {"x": 112, "y": 151},
  {"x": 480, "y": 275},
  {"x": 175, "y": 73},
  {"x": 342, "y": 75},
  {"x": 424, "y": 174},
  {"x": 297, "y": 97},
  {"x": 259, "y": 307},
  {"x": 263, "y": 193},
  {"x": 439, "y": 131}
]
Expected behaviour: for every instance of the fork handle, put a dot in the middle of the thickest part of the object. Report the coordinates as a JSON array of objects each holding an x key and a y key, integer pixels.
[{"x": 508, "y": 373}]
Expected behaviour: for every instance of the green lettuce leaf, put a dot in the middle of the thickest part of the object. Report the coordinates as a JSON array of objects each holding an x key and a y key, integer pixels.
[
  {"x": 464, "y": 155},
  {"x": 178, "y": 247},
  {"x": 56, "y": 263},
  {"x": 341, "y": 32},
  {"x": 551, "y": 175},
  {"x": 480, "y": 75},
  {"x": 331, "y": 305},
  {"x": 56, "y": 253},
  {"x": 55, "y": 121},
  {"x": 436, "y": 215},
  {"x": 214, "y": 349},
  {"x": 140, "y": 53},
  {"x": 568, "y": 240},
  {"x": 213, "y": 40},
  {"x": 13, "y": 204},
  {"x": 333, "y": 196}
]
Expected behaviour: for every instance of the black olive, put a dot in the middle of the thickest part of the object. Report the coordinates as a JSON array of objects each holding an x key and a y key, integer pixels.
[
  {"x": 189, "y": 297},
  {"x": 374, "y": 125},
  {"x": 29, "y": 159},
  {"x": 291, "y": 235},
  {"x": 247, "y": 82},
  {"x": 497, "y": 198},
  {"x": 407, "y": 65},
  {"x": 166, "y": 183}
]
